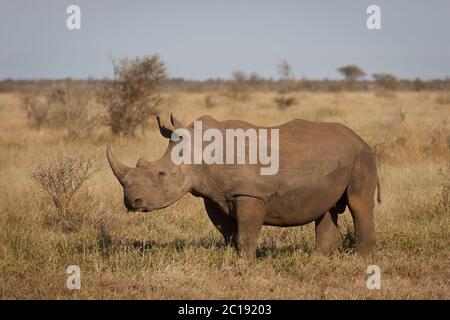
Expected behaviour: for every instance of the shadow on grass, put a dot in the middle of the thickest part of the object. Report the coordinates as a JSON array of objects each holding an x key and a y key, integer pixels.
[
  {"x": 270, "y": 250},
  {"x": 179, "y": 245}
]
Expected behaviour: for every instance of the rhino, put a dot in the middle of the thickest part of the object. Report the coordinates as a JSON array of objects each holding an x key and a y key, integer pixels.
[{"x": 324, "y": 168}]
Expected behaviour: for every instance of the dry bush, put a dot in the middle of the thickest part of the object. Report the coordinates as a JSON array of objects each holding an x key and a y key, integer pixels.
[
  {"x": 439, "y": 141},
  {"x": 385, "y": 81},
  {"x": 438, "y": 206},
  {"x": 336, "y": 86},
  {"x": 284, "y": 101},
  {"x": 441, "y": 202},
  {"x": 419, "y": 85},
  {"x": 383, "y": 93},
  {"x": 135, "y": 93},
  {"x": 63, "y": 106},
  {"x": 387, "y": 147},
  {"x": 287, "y": 79},
  {"x": 61, "y": 178},
  {"x": 443, "y": 98},
  {"x": 209, "y": 102},
  {"x": 72, "y": 109},
  {"x": 323, "y": 113},
  {"x": 255, "y": 81},
  {"x": 385, "y": 85},
  {"x": 238, "y": 88},
  {"x": 36, "y": 109}
]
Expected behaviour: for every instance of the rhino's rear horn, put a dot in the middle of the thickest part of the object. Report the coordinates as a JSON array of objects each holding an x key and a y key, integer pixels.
[{"x": 119, "y": 169}]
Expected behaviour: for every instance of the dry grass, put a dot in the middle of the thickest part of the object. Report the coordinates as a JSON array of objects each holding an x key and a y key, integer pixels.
[{"x": 177, "y": 253}]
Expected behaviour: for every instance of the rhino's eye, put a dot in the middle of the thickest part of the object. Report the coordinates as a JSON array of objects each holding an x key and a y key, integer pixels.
[{"x": 161, "y": 173}]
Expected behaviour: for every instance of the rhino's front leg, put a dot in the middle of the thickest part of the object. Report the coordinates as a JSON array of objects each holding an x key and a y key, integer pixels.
[
  {"x": 250, "y": 218},
  {"x": 221, "y": 220}
]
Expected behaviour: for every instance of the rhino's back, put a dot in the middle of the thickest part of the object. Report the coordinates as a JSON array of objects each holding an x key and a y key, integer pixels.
[{"x": 307, "y": 145}]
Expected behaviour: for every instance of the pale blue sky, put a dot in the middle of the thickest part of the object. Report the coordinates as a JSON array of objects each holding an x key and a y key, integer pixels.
[{"x": 199, "y": 39}]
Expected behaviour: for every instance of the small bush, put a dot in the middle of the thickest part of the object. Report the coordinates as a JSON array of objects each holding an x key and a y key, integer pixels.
[
  {"x": 287, "y": 81},
  {"x": 419, "y": 85},
  {"x": 385, "y": 81},
  {"x": 135, "y": 93},
  {"x": 209, "y": 102},
  {"x": 62, "y": 178},
  {"x": 383, "y": 93},
  {"x": 443, "y": 98},
  {"x": 335, "y": 86},
  {"x": 438, "y": 205},
  {"x": 36, "y": 109},
  {"x": 71, "y": 109},
  {"x": 442, "y": 202},
  {"x": 67, "y": 106},
  {"x": 439, "y": 143},
  {"x": 283, "y": 101},
  {"x": 238, "y": 88},
  {"x": 323, "y": 113}
]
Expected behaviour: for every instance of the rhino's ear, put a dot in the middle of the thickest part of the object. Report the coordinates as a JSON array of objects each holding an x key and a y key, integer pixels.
[{"x": 142, "y": 163}]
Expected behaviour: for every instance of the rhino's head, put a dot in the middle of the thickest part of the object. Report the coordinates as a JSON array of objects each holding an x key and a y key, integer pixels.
[{"x": 152, "y": 185}]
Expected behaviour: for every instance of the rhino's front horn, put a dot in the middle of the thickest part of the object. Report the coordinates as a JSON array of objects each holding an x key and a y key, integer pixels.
[{"x": 119, "y": 169}]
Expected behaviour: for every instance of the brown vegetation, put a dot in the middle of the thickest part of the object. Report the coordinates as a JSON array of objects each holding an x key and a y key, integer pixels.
[
  {"x": 176, "y": 252},
  {"x": 134, "y": 94}
]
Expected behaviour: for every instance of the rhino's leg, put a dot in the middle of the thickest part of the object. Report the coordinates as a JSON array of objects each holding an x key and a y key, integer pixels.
[
  {"x": 223, "y": 222},
  {"x": 327, "y": 232},
  {"x": 250, "y": 218},
  {"x": 360, "y": 194}
]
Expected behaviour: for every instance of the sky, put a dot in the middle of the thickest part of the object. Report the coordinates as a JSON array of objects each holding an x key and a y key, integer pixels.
[{"x": 201, "y": 39}]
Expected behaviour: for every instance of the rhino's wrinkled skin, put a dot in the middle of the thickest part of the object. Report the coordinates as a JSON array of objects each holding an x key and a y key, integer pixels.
[{"x": 323, "y": 167}]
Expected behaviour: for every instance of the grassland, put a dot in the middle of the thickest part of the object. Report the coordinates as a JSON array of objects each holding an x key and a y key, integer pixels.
[{"x": 176, "y": 253}]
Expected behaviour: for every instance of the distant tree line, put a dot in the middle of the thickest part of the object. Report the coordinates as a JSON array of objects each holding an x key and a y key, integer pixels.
[
  {"x": 354, "y": 79},
  {"x": 255, "y": 82}
]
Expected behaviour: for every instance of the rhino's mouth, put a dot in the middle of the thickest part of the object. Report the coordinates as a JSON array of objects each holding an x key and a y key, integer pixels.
[
  {"x": 139, "y": 209},
  {"x": 137, "y": 205}
]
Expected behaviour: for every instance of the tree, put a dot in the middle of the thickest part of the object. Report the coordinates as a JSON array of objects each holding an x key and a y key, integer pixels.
[
  {"x": 285, "y": 71},
  {"x": 287, "y": 79},
  {"x": 419, "y": 85},
  {"x": 238, "y": 86},
  {"x": 135, "y": 93},
  {"x": 351, "y": 72}
]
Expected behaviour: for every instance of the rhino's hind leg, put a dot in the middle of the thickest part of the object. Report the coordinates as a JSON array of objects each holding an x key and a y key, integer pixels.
[
  {"x": 327, "y": 232},
  {"x": 360, "y": 195},
  {"x": 224, "y": 223}
]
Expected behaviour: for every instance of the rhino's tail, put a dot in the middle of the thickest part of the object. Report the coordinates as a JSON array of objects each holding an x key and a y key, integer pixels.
[{"x": 378, "y": 191}]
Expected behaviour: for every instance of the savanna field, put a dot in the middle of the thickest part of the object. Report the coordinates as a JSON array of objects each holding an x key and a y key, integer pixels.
[{"x": 176, "y": 253}]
